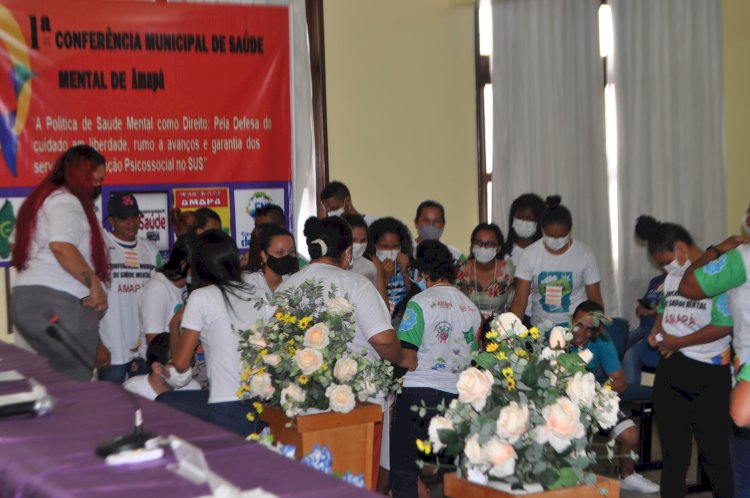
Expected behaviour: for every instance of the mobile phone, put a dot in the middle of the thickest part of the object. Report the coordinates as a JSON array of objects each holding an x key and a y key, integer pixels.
[{"x": 646, "y": 303}]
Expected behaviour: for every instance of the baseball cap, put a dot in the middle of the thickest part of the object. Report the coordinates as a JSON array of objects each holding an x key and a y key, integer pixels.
[{"x": 123, "y": 205}]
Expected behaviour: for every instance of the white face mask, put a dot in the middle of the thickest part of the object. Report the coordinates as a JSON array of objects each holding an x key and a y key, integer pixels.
[
  {"x": 336, "y": 212},
  {"x": 676, "y": 269},
  {"x": 556, "y": 243},
  {"x": 524, "y": 229},
  {"x": 484, "y": 254},
  {"x": 358, "y": 249},
  {"x": 745, "y": 226},
  {"x": 383, "y": 255}
]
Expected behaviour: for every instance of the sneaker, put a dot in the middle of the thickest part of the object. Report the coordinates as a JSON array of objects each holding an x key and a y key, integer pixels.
[{"x": 636, "y": 482}]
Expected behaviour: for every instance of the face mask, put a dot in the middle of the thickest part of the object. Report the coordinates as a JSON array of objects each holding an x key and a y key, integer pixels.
[
  {"x": 524, "y": 229},
  {"x": 283, "y": 265},
  {"x": 484, "y": 254},
  {"x": 429, "y": 232},
  {"x": 745, "y": 226},
  {"x": 96, "y": 192},
  {"x": 556, "y": 243},
  {"x": 383, "y": 255},
  {"x": 336, "y": 212},
  {"x": 421, "y": 282},
  {"x": 675, "y": 268},
  {"x": 358, "y": 249},
  {"x": 177, "y": 380}
]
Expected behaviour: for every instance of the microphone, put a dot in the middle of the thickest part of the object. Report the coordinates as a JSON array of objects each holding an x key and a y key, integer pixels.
[{"x": 133, "y": 441}]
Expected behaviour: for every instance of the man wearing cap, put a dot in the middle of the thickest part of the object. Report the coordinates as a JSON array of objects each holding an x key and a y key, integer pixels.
[{"x": 132, "y": 260}]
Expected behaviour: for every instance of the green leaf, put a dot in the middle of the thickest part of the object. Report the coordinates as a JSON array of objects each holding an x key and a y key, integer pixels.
[
  {"x": 486, "y": 360},
  {"x": 566, "y": 479}
]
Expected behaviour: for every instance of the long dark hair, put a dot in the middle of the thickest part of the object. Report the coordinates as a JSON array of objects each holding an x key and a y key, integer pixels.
[
  {"x": 178, "y": 263},
  {"x": 531, "y": 201},
  {"x": 74, "y": 171},
  {"x": 328, "y": 237},
  {"x": 389, "y": 225},
  {"x": 217, "y": 262},
  {"x": 498, "y": 235},
  {"x": 661, "y": 237}
]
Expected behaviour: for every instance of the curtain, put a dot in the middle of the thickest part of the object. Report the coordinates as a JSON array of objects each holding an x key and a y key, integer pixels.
[
  {"x": 549, "y": 116},
  {"x": 669, "y": 85}
]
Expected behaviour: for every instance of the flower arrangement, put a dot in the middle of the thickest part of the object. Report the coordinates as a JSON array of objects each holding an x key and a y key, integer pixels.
[
  {"x": 528, "y": 414},
  {"x": 302, "y": 359}
]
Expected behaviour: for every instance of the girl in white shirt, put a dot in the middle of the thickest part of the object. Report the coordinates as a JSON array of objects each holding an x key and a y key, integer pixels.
[{"x": 275, "y": 259}]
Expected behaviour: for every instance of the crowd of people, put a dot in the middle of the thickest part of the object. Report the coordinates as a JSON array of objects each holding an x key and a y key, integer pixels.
[{"x": 168, "y": 329}]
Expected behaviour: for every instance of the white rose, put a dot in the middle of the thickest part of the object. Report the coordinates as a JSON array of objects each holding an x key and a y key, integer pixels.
[
  {"x": 261, "y": 386},
  {"x": 437, "y": 423},
  {"x": 582, "y": 389},
  {"x": 606, "y": 408},
  {"x": 473, "y": 450},
  {"x": 562, "y": 424},
  {"x": 512, "y": 422},
  {"x": 292, "y": 394},
  {"x": 586, "y": 355},
  {"x": 557, "y": 338},
  {"x": 474, "y": 386},
  {"x": 508, "y": 325},
  {"x": 345, "y": 369},
  {"x": 257, "y": 340},
  {"x": 340, "y": 398},
  {"x": 272, "y": 360},
  {"x": 317, "y": 336},
  {"x": 308, "y": 360},
  {"x": 339, "y": 306},
  {"x": 501, "y": 456}
]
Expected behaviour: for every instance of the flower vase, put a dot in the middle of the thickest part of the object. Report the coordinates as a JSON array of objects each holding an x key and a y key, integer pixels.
[
  {"x": 455, "y": 487},
  {"x": 350, "y": 437}
]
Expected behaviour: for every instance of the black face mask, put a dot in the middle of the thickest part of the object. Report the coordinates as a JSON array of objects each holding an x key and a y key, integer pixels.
[
  {"x": 96, "y": 192},
  {"x": 283, "y": 265}
]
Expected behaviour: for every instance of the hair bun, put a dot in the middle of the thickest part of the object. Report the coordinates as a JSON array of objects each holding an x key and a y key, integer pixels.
[
  {"x": 647, "y": 228},
  {"x": 553, "y": 201}
]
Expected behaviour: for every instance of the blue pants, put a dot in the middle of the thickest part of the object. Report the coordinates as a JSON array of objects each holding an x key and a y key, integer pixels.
[
  {"x": 740, "y": 451},
  {"x": 119, "y": 373},
  {"x": 230, "y": 415}
]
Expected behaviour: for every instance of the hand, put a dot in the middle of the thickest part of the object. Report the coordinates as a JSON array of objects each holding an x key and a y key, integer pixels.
[
  {"x": 403, "y": 262},
  {"x": 97, "y": 299},
  {"x": 389, "y": 268},
  {"x": 410, "y": 360},
  {"x": 669, "y": 345},
  {"x": 731, "y": 243},
  {"x": 641, "y": 311},
  {"x": 652, "y": 338},
  {"x": 103, "y": 358}
]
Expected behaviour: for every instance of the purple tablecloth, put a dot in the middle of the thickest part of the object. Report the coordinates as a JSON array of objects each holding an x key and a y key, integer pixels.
[{"x": 54, "y": 455}]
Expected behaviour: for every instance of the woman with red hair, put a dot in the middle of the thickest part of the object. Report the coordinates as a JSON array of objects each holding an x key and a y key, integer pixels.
[{"x": 61, "y": 258}]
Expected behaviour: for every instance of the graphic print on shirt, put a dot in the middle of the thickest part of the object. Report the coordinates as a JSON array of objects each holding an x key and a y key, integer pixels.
[
  {"x": 439, "y": 364},
  {"x": 555, "y": 288},
  {"x": 470, "y": 335},
  {"x": 443, "y": 332}
]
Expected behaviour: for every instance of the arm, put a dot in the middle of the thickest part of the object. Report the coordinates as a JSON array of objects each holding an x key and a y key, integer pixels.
[
  {"x": 521, "y": 299},
  {"x": 183, "y": 349},
  {"x": 381, "y": 282},
  {"x": 387, "y": 345},
  {"x": 740, "y": 404},
  {"x": 72, "y": 261},
  {"x": 689, "y": 285},
  {"x": 594, "y": 293},
  {"x": 619, "y": 383},
  {"x": 403, "y": 263},
  {"x": 671, "y": 343},
  {"x": 655, "y": 330}
]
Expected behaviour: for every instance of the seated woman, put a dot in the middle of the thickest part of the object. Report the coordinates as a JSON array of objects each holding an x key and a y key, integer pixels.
[
  {"x": 587, "y": 327},
  {"x": 390, "y": 241},
  {"x": 219, "y": 307},
  {"x": 486, "y": 277},
  {"x": 557, "y": 272},
  {"x": 439, "y": 328}
]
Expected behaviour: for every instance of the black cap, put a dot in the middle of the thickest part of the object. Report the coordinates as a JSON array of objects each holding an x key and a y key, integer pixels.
[{"x": 123, "y": 205}]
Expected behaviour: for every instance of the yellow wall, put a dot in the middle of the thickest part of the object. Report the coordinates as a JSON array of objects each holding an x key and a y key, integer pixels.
[
  {"x": 401, "y": 107},
  {"x": 736, "y": 17}
]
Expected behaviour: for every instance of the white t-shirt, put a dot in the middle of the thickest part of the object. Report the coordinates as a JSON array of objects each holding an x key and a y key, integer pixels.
[
  {"x": 366, "y": 268},
  {"x": 370, "y": 312},
  {"x": 443, "y": 323},
  {"x": 142, "y": 387},
  {"x": 60, "y": 219},
  {"x": 682, "y": 316},
  {"x": 158, "y": 303},
  {"x": 515, "y": 257},
  {"x": 219, "y": 327},
  {"x": 558, "y": 282},
  {"x": 258, "y": 281},
  {"x": 131, "y": 265}
]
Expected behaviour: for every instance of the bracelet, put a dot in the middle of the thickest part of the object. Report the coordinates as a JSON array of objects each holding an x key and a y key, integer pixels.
[{"x": 715, "y": 249}]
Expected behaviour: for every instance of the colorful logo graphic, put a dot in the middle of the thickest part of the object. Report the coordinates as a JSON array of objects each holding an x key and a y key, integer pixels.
[
  {"x": 7, "y": 221},
  {"x": 258, "y": 200},
  {"x": 443, "y": 331},
  {"x": 15, "y": 86}
]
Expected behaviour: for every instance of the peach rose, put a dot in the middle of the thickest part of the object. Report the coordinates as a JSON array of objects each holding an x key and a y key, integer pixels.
[
  {"x": 474, "y": 386},
  {"x": 308, "y": 360},
  {"x": 317, "y": 336},
  {"x": 563, "y": 424}
]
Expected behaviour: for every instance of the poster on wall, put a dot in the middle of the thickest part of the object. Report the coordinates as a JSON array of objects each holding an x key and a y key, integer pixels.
[
  {"x": 215, "y": 199},
  {"x": 246, "y": 202},
  {"x": 189, "y": 97}
]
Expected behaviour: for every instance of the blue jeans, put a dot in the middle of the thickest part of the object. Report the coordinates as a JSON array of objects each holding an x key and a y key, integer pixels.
[
  {"x": 739, "y": 445},
  {"x": 232, "y": 416},
  {"x": 193, "y": 403},
  {"x": 119, "y": 373}
]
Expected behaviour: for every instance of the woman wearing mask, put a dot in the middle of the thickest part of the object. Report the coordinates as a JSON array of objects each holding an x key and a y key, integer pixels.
[
  {"x": 218, "y": 308},
  {"x": 486, "y": 277},
  {"x": 362, "y": 262},
  {"x": 557, "y": 272},
  {"x": 61, "y": 258},
  {"x": 692, "y": 385},
  {"x": 390, "y": 241},
  {"x": 523, "y": 225},
  {"x": 276, "y": 258}
]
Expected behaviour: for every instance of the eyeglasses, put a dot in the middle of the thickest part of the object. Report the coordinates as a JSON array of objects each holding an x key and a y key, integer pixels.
[{"x": 490, "y": 244}]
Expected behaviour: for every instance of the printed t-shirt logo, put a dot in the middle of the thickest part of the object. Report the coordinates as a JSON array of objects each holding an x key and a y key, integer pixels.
[
  {"x": 555, "y": 288},
  {"x": 443, "y": 331}
]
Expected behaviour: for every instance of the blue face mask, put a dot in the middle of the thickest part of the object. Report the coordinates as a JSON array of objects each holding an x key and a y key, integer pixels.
[{"x": 421, "y": 283}]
